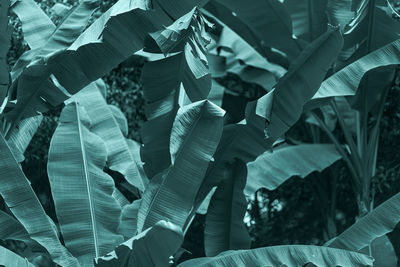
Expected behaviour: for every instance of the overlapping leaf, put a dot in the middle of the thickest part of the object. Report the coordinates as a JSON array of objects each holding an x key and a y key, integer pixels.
[
  {"x": 296, "y": 255},
  {"x": 256, "y": 14},
  {"x": 9, "y": 258},
  {"x": 376, "y": 223},
  {"x": 195, "y": 135},
  {"x": 104, "y": 124},
  {"x": 225, "y": 229},
  {"x": 282, "y": 107},
  {"x": 23, "y": 203},
  {"x": 152, "y": 247},
  {"x": 271, "y": 169},
  {"x": 82, "y": 191}
]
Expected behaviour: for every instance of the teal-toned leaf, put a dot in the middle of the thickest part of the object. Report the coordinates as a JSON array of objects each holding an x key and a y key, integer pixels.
[
  {"x": 97, "y": 50},
  {"x": 23, "y": 203},
  {"x": 9, "y": 258},
  {"x": 382, "y": 251},
  {"x": 120, "y": 118},
  {"x": 346, "y": 81},
  {"x": 376, "y": 223},
  {"x": 176, "y": 8},
  {"x": 272, "y": 169},
  {"x": 21, "y": 136},
  {"x": 82, "y": 191},
  {"x": 106, "y": 126},
  {"x": 340, "y": 13},
  {"x": 36, "y": 25},
  {"x": 70, "y": 28},
  {"x": 161, "y": 80},
  {"x": 195, "y": 135},
  {"x": 128, "y": 220},
  {"x": 309, "y": 17},
  {"x": 295, "y": 255},
  {"x": 152, "y": 247},
  {"x": 282, "y": 107},
  {"x": 256, "y": 15},
  {"x": 225, "y": 229}
]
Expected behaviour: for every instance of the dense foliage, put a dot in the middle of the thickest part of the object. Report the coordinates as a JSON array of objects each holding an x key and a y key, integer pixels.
[{"x": 194, "y": 128}]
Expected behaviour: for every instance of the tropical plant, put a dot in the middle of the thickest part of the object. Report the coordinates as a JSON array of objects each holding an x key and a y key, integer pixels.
[{"x": 199, "y": 155}]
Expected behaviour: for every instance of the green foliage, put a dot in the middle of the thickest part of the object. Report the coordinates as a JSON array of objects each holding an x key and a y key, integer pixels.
[{"x": 206, "y": 141}]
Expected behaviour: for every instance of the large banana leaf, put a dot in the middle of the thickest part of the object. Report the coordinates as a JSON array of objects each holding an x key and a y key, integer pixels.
[
  {"x": 225, "y": 229},
  {"x": 20, "y": 137},
  {"x": 9, "y": 258},
  {"x": 162, "y": 80},
  {"x": 97, "y": 50},
  {"x": 23, "y": 203},
  {"x": 5, "y": 34},
  {"x": 295, "y": 255},
  {"x": 152, "y": 247},
  {"x": 282, "y": 107},
  {"x": 61, "y": 37},
  {"x": 376, "y": 223},
  {"x": 346, "y": 81},
  {"x": 269, "y": 21},
  {"x": 82, "y": 191},
  {"x": 382, "y": 251},
  {"x": 36, "y": 25},
  {"x": 103, "y": 123},
  {"x": 272, "y": 169},
  {"x": 195, "y": 135},
  {"x": 308, "y": 17}
]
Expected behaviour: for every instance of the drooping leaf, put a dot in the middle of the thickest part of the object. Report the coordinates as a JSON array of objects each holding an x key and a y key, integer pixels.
[
  {"x": 36, "y": 25},
  {"x": 162, "y": 80},
  {"x": 309, "y": 17},
  {"x": 224, "y": 227},
  {"x": 295, "y": 255},
  {"x": 82, "y": 191},
  {"x": 9, "y": 258},
  {"x": 97, "y": 50},
  {"x": 62, "y": 36},
  {"x": 23, "y": 203},
  {"x": 152, "y": 247},
  {"x": 272, "y": 169},
  {"x": 256, "y": 14},
  {"x": 346, "y": 81},
  {"x": 195, "y": 135},
  {"x": 106, "y": 126},
  {"x": 282, "y": 107},
  {"x": 340, "y": 13},
  {"x": 21, "y": 136},
  {"x": 128, "y": 220},
  {"x": 376, "y": 223}
]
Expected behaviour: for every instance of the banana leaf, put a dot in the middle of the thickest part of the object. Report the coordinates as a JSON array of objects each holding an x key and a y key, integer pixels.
[
  {"x": 152, "y": 247},
  {"x": 9, "y": 258},
  {"x": 282, "y": 107},
  {"x": 224, "y": 226},
  {"x": 382, "y": 251},
  {"x": 378, "y": 222},
  {"x": 268, "y": 20},
  {"x": 106, "y": 126},
  {"x": 25, "y": 206},
  {"x": 346, "y": 81},
  {"x": 36, "y": 25},
  {"x": 295, "y": 255},
  {"x": 309, "y": 17},
  {"x": 272, "y": 169},
  {"x": 97, "y": 50},
  {"x": 162, "y": 81},
  {"x": 82, "y": 191},
  {"x": 195, "y": 135}
]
